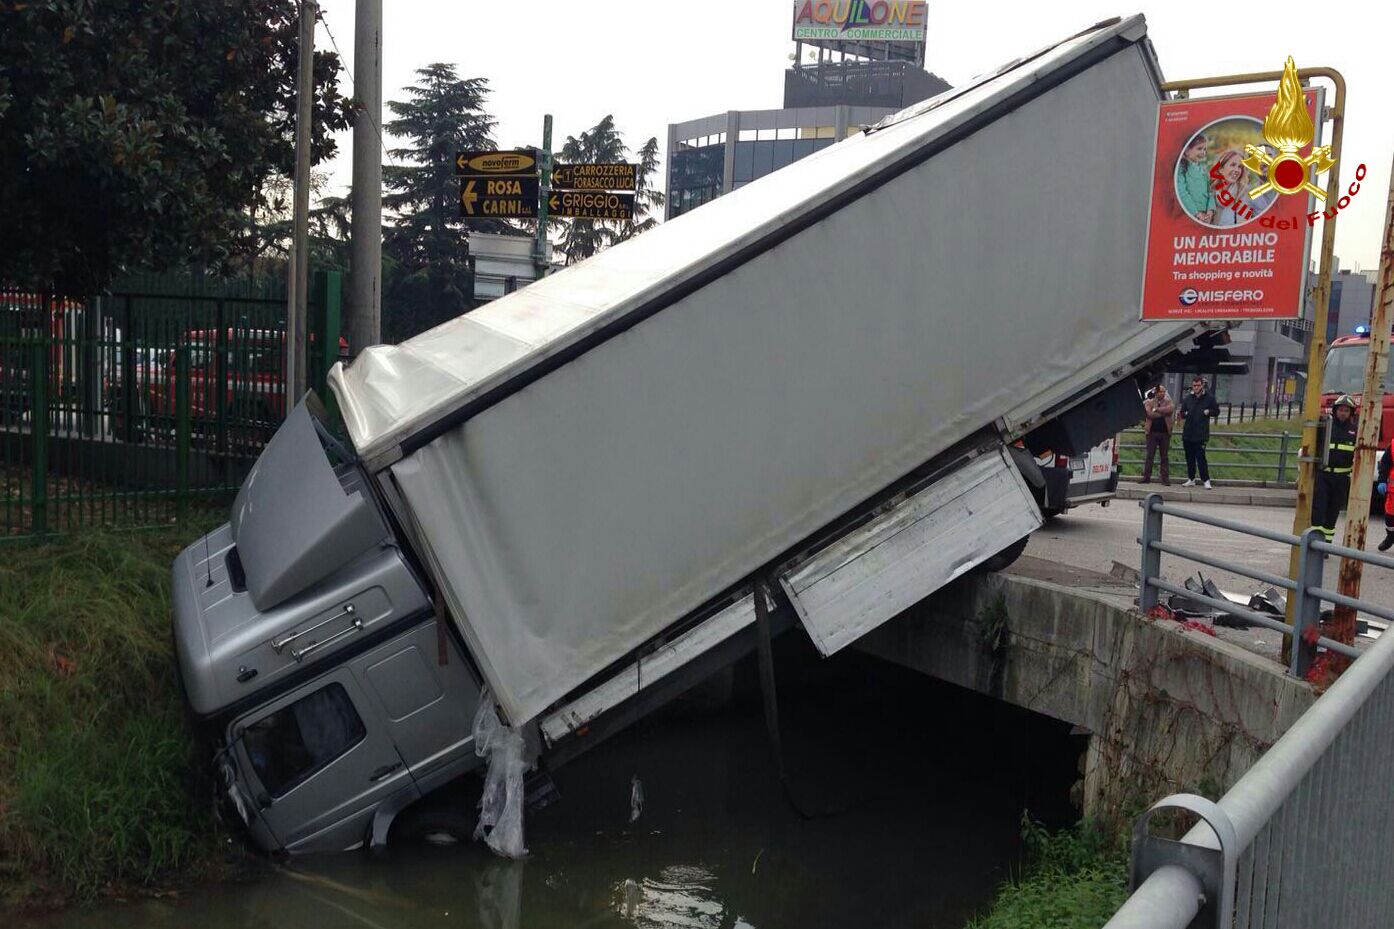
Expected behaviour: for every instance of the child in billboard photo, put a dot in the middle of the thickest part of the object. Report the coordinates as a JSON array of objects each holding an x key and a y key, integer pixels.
[
  {"x": 1242, "y": 208},
  {"x": 1193, "y": 180}
]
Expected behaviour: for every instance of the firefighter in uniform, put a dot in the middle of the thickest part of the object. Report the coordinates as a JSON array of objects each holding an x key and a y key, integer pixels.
[{"x": 1333, "y": 481}]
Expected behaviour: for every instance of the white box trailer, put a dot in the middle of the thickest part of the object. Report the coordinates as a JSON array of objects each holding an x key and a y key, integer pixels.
[{"x": 813, "y": 380}]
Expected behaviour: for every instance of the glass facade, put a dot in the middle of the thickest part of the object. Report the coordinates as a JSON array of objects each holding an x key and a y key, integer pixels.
[{"x": 696, "y": 174}]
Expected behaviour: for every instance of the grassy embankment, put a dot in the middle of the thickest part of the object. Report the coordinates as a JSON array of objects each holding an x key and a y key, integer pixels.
[
  {"x": 1074, "y": 879},
  {"x": 96, "y": 770},
  {"x": 1230, "y": 444}
]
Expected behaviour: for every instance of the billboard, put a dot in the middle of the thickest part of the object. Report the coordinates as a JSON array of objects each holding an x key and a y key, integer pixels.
[
  {"x": 860, "y": 20},
  {"x": 1222, "y": 241}
]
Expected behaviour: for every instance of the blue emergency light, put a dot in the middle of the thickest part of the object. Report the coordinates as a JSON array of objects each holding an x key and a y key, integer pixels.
[{"x": 1362, "y": 330}]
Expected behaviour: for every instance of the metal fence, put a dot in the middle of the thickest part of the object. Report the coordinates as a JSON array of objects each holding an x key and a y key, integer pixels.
[
  {"x": 1304, "y": 838},
  {"x": 1249, "y": 412},
  {"x": 122, "y": 408},
  {"x": 1265, "y": 457}
]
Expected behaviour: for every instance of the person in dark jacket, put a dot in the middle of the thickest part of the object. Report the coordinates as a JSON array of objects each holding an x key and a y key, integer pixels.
[
  {"x": 1197, "y": 409},
  {"x": 1333, "y": 480},
  {"x": 1159, "y": 410}
]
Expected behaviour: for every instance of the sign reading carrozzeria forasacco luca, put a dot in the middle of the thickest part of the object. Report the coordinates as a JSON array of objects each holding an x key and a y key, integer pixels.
[{"x": 1227, "y": 238}]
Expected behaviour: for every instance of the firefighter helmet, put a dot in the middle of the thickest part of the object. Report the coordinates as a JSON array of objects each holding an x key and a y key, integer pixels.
[{"x": 1344, "y": 400}]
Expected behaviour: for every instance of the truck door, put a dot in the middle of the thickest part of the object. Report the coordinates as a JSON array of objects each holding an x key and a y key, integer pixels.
[
  {"x": 428, "y": 707},
  {"x": 317, "y": 763}
]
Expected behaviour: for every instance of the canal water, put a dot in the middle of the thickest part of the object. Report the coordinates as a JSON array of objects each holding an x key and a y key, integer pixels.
[{"x": 903, "y": 809}]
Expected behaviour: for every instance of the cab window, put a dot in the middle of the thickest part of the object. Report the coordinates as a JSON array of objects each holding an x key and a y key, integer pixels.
[{"x": 293, "y": 743}]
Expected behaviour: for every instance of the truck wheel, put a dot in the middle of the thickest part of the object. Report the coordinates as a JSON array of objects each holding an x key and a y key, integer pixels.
[
  {"x": 1005, "y": 557},
  {"x": 433, "y": 825}
]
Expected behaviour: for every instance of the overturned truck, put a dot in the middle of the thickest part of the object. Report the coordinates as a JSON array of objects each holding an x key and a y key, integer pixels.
[{"x": 826, "y": 384}]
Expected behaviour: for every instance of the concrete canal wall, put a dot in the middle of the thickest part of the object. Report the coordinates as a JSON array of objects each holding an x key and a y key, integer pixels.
[{"x": 1167, "y": 709}]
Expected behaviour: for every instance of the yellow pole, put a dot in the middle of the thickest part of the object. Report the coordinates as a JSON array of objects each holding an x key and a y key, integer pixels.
[{"x": 1321, "y": 300}]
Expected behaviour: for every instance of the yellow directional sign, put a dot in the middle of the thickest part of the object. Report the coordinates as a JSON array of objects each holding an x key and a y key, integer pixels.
[
  {"x": 499, "y": 197},
  {"x": 618, "y": 176},
  {"x": 518, "y": 161},
  {"x": 580, "y": 204}
]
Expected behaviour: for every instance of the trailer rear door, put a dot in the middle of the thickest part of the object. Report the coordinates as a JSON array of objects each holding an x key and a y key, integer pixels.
[{"x": 905, "y": 554}]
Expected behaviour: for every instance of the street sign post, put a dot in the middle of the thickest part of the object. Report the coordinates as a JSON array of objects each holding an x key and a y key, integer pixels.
[
  {"x": 517, "y": 161},
  {"x": 499, "y": 197},
  {"x": 579, "y": 204},
  {"x": 616, "y": 176}
]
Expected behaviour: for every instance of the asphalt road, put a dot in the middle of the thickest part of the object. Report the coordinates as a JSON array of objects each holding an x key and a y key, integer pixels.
[{"x": 1094, "y": 537}]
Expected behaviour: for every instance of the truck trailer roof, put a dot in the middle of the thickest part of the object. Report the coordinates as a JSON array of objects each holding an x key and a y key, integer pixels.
[{"x": 406, "y": 394}]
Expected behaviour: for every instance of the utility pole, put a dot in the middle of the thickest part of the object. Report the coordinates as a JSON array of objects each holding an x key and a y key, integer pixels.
[
  {"x": 363, "y": 301},
  {"x": 1316, "y": 354},
  {"x": 297, "y": 312},
  {"x": 1367, "y": 434},
  {"x": 539, "y": 257}
]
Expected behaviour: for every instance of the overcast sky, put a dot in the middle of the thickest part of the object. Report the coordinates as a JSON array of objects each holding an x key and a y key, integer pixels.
[{"x": 652, "y": 62}]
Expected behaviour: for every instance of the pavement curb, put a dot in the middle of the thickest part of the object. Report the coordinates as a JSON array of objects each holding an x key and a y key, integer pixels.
[{"x": 1234, "y": 496}]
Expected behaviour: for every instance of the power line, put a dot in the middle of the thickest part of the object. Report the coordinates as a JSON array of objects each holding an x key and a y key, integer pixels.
[{"x": 343, "y": 61}]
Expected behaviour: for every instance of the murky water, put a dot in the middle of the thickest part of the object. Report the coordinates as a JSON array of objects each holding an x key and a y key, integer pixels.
[{"x": 915, "y": 788}]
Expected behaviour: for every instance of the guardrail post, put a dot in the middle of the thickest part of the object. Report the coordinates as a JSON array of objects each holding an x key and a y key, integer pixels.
[
  {"x": 1310, "y": 565},
  {"x": 1215, "y": 869},
  {"x": 1147, "y": 594},
  {"x": 182, "y": 431},
  {"x": 38, "y": 438},
  {"x": 1283, "y": 458}
]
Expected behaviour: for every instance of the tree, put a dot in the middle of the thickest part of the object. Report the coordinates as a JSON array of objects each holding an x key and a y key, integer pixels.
[
  {"x": 648, "y": 198},
  {"x": 582, "y": 238},
  {"x": 143, "y": 135},
  {"x": 432, "y": 280}
]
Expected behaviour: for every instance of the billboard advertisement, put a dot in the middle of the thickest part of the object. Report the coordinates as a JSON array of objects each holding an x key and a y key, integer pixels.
[
  {"x": 860, "y": 20},
  {"x": 1230, "y": 221}
]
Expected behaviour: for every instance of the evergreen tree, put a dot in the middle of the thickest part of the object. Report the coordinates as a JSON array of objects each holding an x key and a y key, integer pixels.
[
  {"x": 648, "y": 198},
  {"x": 582, "y": 238},
  {"x": 425, "y": 242}
]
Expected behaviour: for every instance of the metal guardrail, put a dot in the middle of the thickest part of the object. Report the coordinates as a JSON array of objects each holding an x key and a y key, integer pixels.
[
  {"x": 1303, "y": 818},
  {"x": 1307, "y": 588},
  {"x": 1229, "y": 454}
]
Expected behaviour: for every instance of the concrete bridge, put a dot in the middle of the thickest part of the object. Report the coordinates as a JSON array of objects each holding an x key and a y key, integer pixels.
[{"x": 1166, "y": 708}]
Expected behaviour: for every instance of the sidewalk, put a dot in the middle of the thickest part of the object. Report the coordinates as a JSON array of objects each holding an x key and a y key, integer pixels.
[{"x": 1223, "y": 493}]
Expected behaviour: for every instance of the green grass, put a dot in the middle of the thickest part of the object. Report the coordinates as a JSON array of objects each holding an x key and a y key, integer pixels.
[
  {"x": 1074, "y": 879},
  {"x": 96, "y": 769}
]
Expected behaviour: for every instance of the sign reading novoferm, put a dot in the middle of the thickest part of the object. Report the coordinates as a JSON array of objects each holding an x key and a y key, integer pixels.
[
  {"x": 514, "y": 162},
  {"x": 860, "y": 20}
]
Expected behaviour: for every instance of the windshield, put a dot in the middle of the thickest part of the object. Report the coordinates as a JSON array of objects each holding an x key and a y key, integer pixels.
[{"x": 1345, "y": 369}]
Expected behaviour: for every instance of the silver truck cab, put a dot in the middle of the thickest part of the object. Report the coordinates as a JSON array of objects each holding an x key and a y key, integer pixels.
[{"x": 311, "y": 657}]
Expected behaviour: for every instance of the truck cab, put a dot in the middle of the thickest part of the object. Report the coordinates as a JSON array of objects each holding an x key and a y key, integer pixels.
[{"x": 311, "y": 657}]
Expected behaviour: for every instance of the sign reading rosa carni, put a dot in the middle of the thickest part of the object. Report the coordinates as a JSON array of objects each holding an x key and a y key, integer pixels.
[
  {"x": 860, "y": 20},
  {"x": 1223, "y": 241}
]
